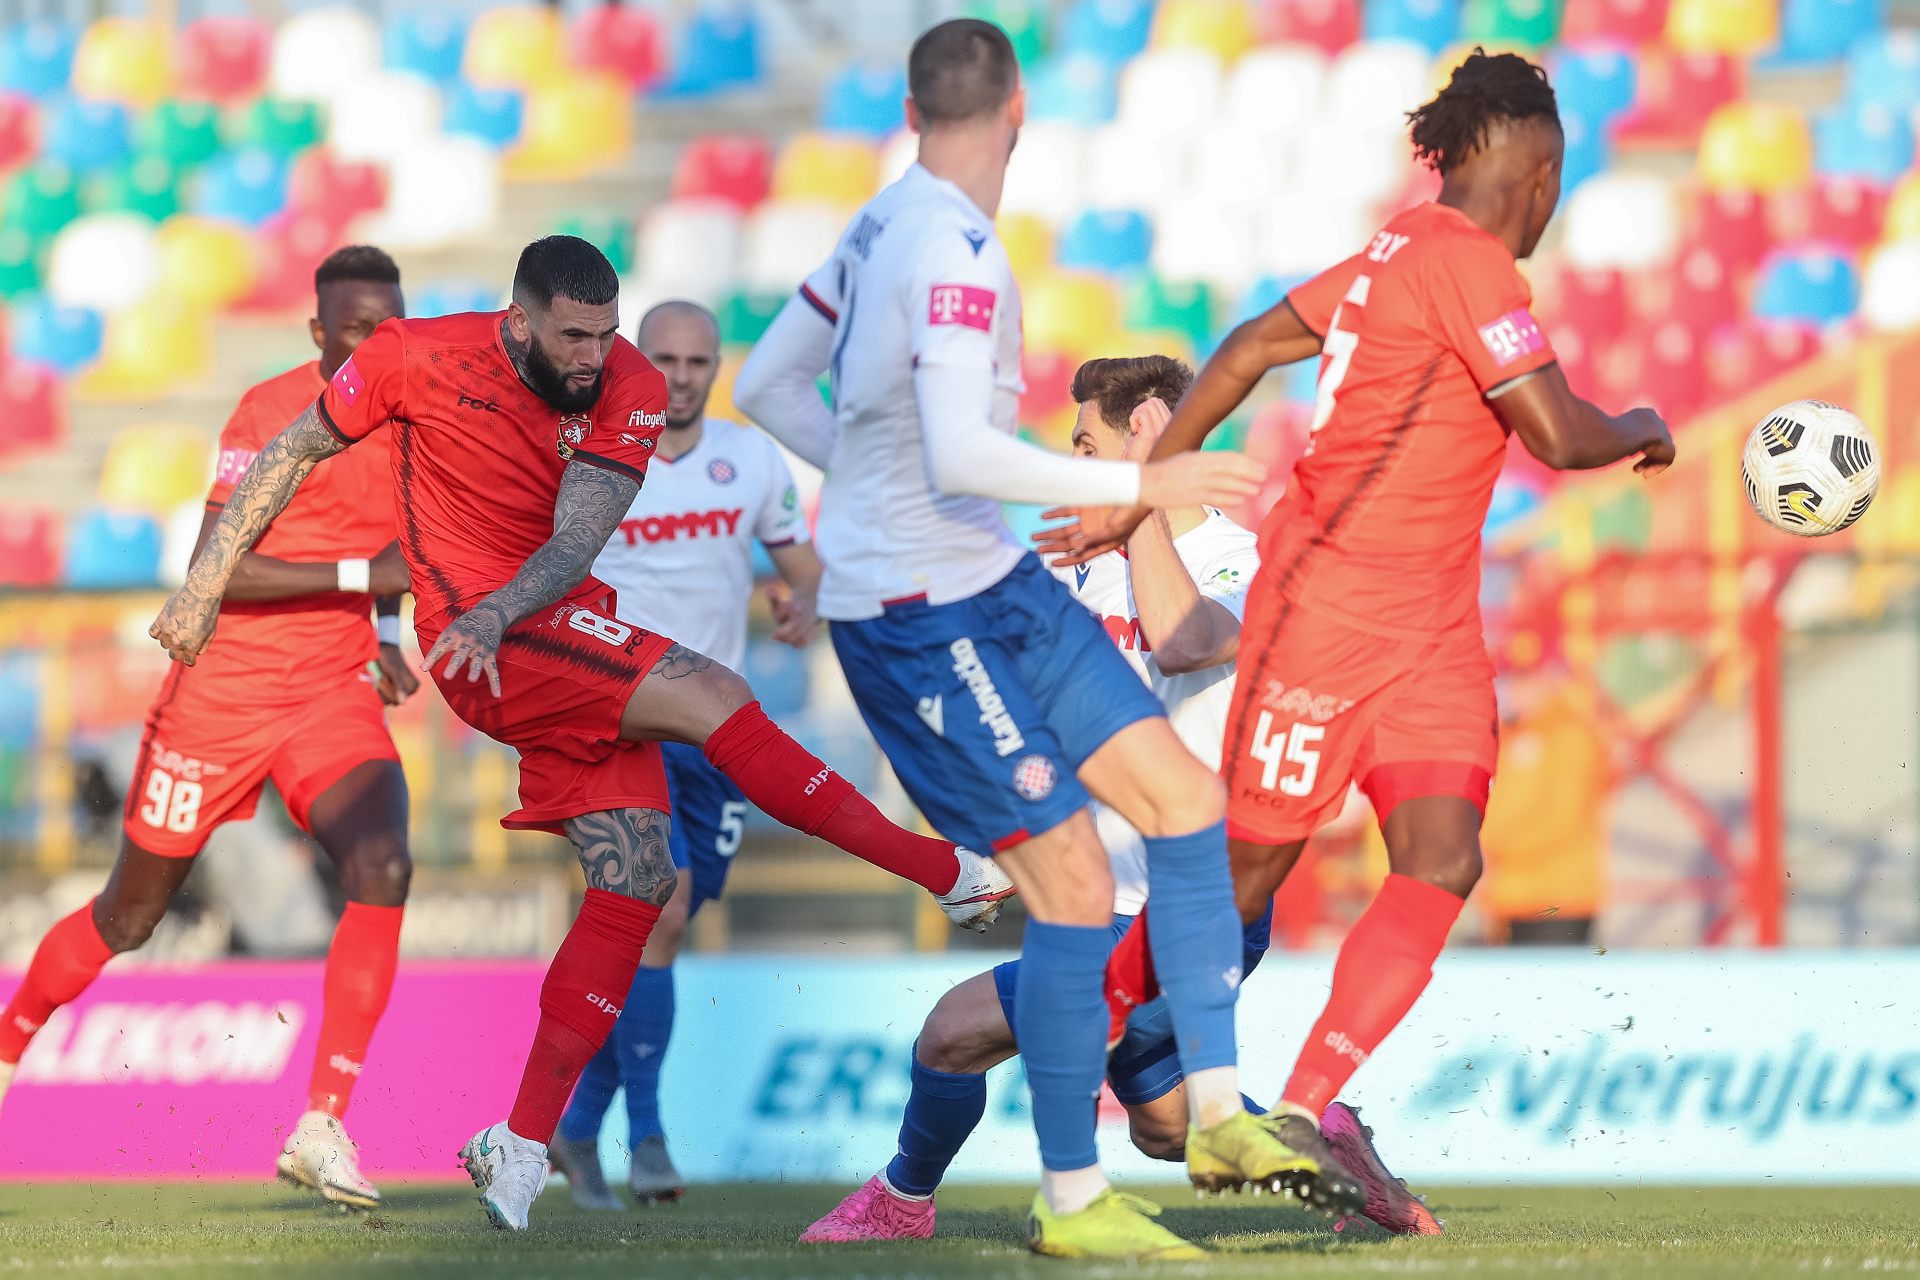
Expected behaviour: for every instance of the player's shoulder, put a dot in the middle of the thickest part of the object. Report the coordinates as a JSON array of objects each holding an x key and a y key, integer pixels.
[
  {"x": 1219, "y": 547},
  {"x": 932, "y": 220},
  {"x": 627, "y": 366},
  {"x": 1440, "y": 238},
  {"x": 269, "y": 405},
  {"x": 462, "y": 329}
]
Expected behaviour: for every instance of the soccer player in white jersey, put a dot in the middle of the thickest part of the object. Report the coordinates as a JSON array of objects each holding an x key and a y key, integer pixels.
[
  {"x": 682, "y": 561},
  {"x": 999, "y": 703}
]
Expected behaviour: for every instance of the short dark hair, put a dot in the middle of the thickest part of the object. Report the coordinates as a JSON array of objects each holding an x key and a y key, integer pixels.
[
  {"x": 361, "y": 263},
  {"x": 564, "y": 267},
  {"x": 1485, "y": 89},
  {"x": 1118, "y": 386},
  {"x": 960, "y": 70}
]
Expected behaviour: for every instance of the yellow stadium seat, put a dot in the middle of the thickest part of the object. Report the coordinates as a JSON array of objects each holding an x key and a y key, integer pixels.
[
  {"x": 1159, "y": 342},
  {"x": 204, "y": 264},
  {"x": 1028, "y": 241},
  {"x": 152, "y": 348},
  {"x": 1738, "y": 27},
  {"x": 517, "y": 48},
  {"x": 1902, "y": 221},
  {"x": 124, "y": 60},
  {"x": 155, "y": 468},
  {"x": 1901, "y": 498},
  {"x": 573, "y": 127},
  {"x": 1755, "y": 146},
  {"x": 827, "y": 168},
  {"x": 1222, "y": 27},
  {"x": 1072, "y": 312}
]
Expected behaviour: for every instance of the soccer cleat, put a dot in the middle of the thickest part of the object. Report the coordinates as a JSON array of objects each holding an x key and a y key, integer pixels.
[
  {"x": 974, "y": 901},
  {"x": 510, "y": 1172},
  {"x": 1242, "y": 1153},
  {"x": 873, "y": 1212},
  {"x": 319, "y": 1156},
  {"x": 651, "y": 1175},
  {"x": 1331, "y": 1189},
  {"x": 586, "y": 1180},
  {"x": 1115, "y": 1225},
  {"x": 1389, "y": 1204}
]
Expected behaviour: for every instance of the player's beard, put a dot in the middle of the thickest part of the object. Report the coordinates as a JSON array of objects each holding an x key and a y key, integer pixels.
[{"x": 549, "y": 382}]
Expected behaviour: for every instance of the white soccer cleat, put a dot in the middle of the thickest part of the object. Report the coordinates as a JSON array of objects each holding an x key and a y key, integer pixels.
[
  {"x": 974, "y": 901},
  {"x": 319, "y": 1156},
  {"x": 510, "y": 1172}
]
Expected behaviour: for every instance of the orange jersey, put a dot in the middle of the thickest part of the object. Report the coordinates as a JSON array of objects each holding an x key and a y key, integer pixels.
[
  {"x": 1381, "y": 524},
  {"x": 477, "y": 457},
  {"x": 285, "y": 649}
]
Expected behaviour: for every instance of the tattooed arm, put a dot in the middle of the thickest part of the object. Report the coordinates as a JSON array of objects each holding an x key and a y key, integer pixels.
[
  {"x": 591, "y": 504},
  {"x": 186, "y": 621},
  {"x": 625, "y": 851}
]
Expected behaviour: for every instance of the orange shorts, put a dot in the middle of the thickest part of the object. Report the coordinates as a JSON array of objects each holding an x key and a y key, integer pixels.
[
  {"x": 566, "y": 674},
  {"x": 1320, "y": 705},
  {"x": 209, "y": 748}
]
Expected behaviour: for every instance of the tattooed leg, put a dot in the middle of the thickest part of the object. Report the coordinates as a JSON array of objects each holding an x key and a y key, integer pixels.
[
  {"x": 684, "y": 698},
  {"x": 625, "y": 851}
]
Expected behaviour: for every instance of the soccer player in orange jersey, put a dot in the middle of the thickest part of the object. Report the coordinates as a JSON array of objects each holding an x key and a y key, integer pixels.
[
  {"x": 286, "y": 695},
  {"x": 1362, "y": 658}
]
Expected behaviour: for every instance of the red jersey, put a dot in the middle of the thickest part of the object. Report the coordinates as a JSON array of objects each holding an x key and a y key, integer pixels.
[
  {"x": 284, "y": 649},
  {"x": 1381, "y": 524},
  {"x": 477, "y": 457}
]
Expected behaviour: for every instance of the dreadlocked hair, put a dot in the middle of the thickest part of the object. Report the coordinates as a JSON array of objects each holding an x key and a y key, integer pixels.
[{"x": 1485, "y": 89}]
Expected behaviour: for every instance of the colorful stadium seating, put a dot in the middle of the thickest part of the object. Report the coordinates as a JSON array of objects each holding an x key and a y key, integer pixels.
[
  {"x": 154, "y": 467},
  {"x": 63, "y": 338},
  {"x": 865, "y": 99},
  {"x": 111, "y": 551},
  {"x": 29, "y": 557},
  {"x": 737, "y": 168},
  {"x": 124, "y": 60},
  {"x": 36, "y": 57},
  {"x": 622, "y": 41},
  {"x": 223, "y": 59},
  {"x": 1109, "y": 31},
  {"x": 428, "y": 42}
]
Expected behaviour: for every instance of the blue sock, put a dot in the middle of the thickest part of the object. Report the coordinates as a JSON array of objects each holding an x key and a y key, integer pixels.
[
  {"x": 580, "y": 1122},
  {"x": 1060, "y": 1021},
  {"x": 645, "y": 1027},
  {"x": 1195, "y": 936},
  {"x": 942, "y": 1112}
]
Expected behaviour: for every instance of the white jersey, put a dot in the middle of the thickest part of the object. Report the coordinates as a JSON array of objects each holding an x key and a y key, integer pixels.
[
  {"x": 1222, "y": 557},
  {"x": 918, "y": 278},
  {"x": 682, "y": 559}
]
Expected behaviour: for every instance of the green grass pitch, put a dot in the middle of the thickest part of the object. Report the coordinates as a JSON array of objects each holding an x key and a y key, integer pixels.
[{"x": 235, "y": 1229}]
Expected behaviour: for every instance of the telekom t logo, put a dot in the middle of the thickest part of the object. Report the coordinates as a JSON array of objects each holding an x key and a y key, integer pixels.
[{"x": 964, "y": 304}]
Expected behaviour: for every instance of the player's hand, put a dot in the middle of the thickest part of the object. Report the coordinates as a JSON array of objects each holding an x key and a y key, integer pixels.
[
  {"x": 1658, "y": 456},
  {"x": 185, "y": 625},
  {"x": 1217, "y": 479},
  {"x": 472, "y": 641},
  {"x": 1089, "y": 532},
  {"x": 1149, "y": 422},
  {"x": 393, "y": 678},
  {"x": 389, "y": 575},
  {"x": 794, "y": 616}
]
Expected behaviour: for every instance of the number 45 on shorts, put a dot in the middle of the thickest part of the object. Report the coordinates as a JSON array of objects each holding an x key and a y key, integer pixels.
[{"x": 1293, "y": 749}]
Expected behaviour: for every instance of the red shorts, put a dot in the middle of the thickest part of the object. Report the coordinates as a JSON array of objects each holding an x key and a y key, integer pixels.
[
  {"x": 566, "y": 675},
  {"x": 1320, "y": 705},
  {"x": 208, "y": 749}
]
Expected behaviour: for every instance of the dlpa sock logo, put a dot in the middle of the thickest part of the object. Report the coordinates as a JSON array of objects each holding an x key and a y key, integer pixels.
[
  {"x": 1342, "y": 1044},
  {"x": 603, "y": 1004},
  {"x": 344, "y": 1065}
]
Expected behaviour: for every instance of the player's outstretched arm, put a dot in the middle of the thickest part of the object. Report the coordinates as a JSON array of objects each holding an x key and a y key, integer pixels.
[
  {"x": 186, "y": 621},
  {"x": 589, "y": 508},
  {"x": 1186, "y": 630},
  {"x": 1569, "y": 434},
  {"x": 776, "y": 384}
]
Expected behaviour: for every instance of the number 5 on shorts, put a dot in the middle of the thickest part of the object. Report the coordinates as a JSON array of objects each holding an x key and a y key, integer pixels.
[{"x": 1295, "y": 746}]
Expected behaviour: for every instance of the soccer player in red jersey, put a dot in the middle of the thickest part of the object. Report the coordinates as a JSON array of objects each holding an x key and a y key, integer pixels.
[
  {"x": 520, "y": 439},
  {"x": 284, "y": 695},
  {"x": 1362, "y": 658}
]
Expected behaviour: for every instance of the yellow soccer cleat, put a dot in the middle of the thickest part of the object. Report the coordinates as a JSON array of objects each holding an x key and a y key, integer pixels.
[
  {"x": 1242, "y": 1153},
  {"x": 1113, "y": 1226}
]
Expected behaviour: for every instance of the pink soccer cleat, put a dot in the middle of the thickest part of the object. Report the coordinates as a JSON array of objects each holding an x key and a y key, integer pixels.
[
  {"x": 873, "y": 1212},
  {"x": 1389, "y": 1204}
]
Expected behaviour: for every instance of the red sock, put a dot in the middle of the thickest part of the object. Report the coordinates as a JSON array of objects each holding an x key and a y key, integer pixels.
[
  {"x": 1384, "y": 965},
  {"x": 791, "y": 785},
  {"x": 66, "y": 962},
  {"x": 1131, "y": 981},
  {"x": 360, "y": 964},
  {"x": 585, "y": 987}
]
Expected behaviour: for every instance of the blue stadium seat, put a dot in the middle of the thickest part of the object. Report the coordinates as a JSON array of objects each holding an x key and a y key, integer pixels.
[
  {"x": 19, "y": 699},
  {"x": 1863, "y": 141},
  {"x": 1074, "y": 88},
  {"x": 112, "y": 550},
  {"x": 1513, "y": 501},
  {"x": 451, "y": 297},
  {"x": 1114, "y": 31},
  {"x": 1586, "y": 150},
  {"x": 247, "y": 186},
  {"x": 1263, "y": 295},
  {"x": 492, "y": 115},
  {"x": 1886, "y": 70},
  {"x": 1433, "y": 24},
  {"x": 1108, "y": 240},
  {"x": 68, "y": 338},
  {"x": 1807, "y": 286},
  {"x": 719, "y": 49},
  {"x": 1596, "y": 82},
  {"x": 36, "y": 58},
  {"x": 1823, "y": 30},
  {"x": 868, "y": 99},
  {"x": 778, "y": 673},
  {"x": 426, "y": 42},
  {"x": 87, "y": 137}
]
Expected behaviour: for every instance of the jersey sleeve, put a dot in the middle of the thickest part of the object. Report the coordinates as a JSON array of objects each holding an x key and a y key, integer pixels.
[
  {"x": 630, "y": 418},
  {"x": 824, "y": 290},
  {"x": 1482, "y": 308},
  {"x": 1226, "y": 575},
  {"x": 781, "y": 522},
  {"x": 1316, "y": 300},
  {"x": 364, "y": 394},
  {"x": 239, "y": 444},
  {"x": 954, "y": 296}
]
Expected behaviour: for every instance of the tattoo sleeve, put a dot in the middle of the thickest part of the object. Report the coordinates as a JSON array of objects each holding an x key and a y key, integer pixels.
[
  {"x": 588, "y": 510},
  {"x": 263, "y": 493},
  {"x": 625, "y": 851}
]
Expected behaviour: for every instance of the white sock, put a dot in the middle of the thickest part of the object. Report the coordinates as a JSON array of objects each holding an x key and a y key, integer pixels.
[
  {"x": 896, "y": 1192},
  {"x": 1213, "y": 1096},
  {"x": 1072, "y": 1190}
]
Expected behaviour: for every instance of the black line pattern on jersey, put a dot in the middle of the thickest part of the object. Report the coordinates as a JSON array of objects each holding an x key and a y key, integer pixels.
[
  {"x": 410, "y": 523},
  {"x": 600, "y": 661}
]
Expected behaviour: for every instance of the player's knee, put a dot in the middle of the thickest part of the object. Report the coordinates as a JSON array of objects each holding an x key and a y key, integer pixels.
[
  {"x": 722, "y": 692},
  {"x": 377, "y": 872},
  {"x": 949, "y": 1040},
  {"x": 1454, "y": 866},
  {"x": 1156, "y": 1138},
  {"x": 1183, "y": 800},
  {"x": 126, "y": 925}
]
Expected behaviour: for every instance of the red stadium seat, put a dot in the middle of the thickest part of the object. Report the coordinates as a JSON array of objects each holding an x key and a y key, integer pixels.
[
  {"x": 1593, "y": 302},
  {"x": 1735, "y": 224},
  {"x": 1676, "y": 94},
  {"x": 1632, "y": 21},
  {"x": 620, "y": 40},
  {"x": 1784, "y": 345},
  {"x": 1331, "y": 25},
  {"x": 29, "y": 547},
  {"x": 1049, "y": 379},
  {"x": 338, "y": 190},
  {"x": 224, "y": 59},
  {"x": 736, "y": 168},
  {"x": 33, "y": 411},
  {"x": 1703, "y": 289},
  {"x": 1668, "y": 374},
  {"x": 290, "y": 245},
  {"x": 19, "y": 130},
  {"x": 1842, "y": 211}
]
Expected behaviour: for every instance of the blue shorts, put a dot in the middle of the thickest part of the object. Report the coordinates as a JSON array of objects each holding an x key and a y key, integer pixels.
[
  {"x": 1146, "y": 1063},
  {"x": 987, "y": 707},
  {"x": 709, "y": 815}
]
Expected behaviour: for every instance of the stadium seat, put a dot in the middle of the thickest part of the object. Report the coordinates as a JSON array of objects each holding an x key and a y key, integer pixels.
[
  {"x": 204, "y": 265},
  {"x": 1110, "y": 241},
  {"x": 1595, "y": 82},
  {"x": 1028, "y": 241},
  {"x": 1024, "y": 21},
  {"x": 610, "y": 232},
  {"x": 36, "y": 57},
  {"x": 280, "y": 125},
  {"x": 1049, "y": 379},
  {"x": 1073, "y": 313},
  {"x": 828, "y": 168},
  {"x": 1870, "y": 140},
  {"x": 782, "y": 242},
  {"x": 42, "y": 198},
  {"x": 495, "y": 116},
  {"x": 104, "y": 261},
  {"x": 153, "y": 348},
  {"x": 719, "y": 49},
  {"x": 1513, "y": 503},
  {"x": 1848, "y": 212},
  {"x": 1740, "y": 27},
  {"x": 744, "y": 315},
  {"x": 426, "y": 42},
  {"x": 1890, "y": 293},
  {"x": 1223, "y": 30},
  {"x": 1073, "y": 88},
  {"x": 1187, "y": 307},
  {"x": 1813, "y": 286},
  {"x": 1430, "y": 24},
  {"x": 1530, "y": 24},
  {"x": 1704, "y": 293},
  {"x": 247, "y": 185},
  {"x": 1299, "y": 235},
  {"x": 1755, "y": 146},
  {"x": 1363, "y": 164},
  {"x": 1620, "y": 220},
  {"x": 1044, "y": 176},
  {"x": 1374, "y": 85},
  {"x": 778, "y": 674},
  {"x": 621, "y": 41},
  {"x": 1242, "y": 166},
  {"x": 184, "y": 134},
  {"x": 29, "y": 558},
  {"x": 1886, "y": 71},
  {"x": 1632, "y": 22},
  {"x": 866, "y": 99},
  {"x": 452, "y": 297},
  {"x": 1734, "y": 222},
  {"x": 21, "y": 257},
  {"x": 63, "y": 338},
  {"x": 448, "y": 188},
  {"x": 154, "y": 467},
  {"x": 1676, "y": 95},
  {"x": 387, "y": 117},
  {"x": 111, "y": 551},
  {"x": 124, "y": 60},
  {"x": 1125, "y": 172},
  {"x": 223, "y": 59},
  {"x": 335, "y": 189},
  {"x": 1168, "y": 92},
  {"x": 286, "y": 250},
  {"x": 1275, "y": 88},
  {"x": 735, "y": 167},
  {"x": 1198, "y": 239},
  {"x": 1823, "y": 30},
  {"x": 1585, "y": 153},
  {"x": 1592, "y": 301},
  {"x": 322, "y": 53},
  {"x": 148, "y": 186},
  {"x": 516, "y": 47},
  {"x": 86, "y": 136},
  {"x": 19, "y": 129},
  {"x": 689, "y": 248},
  {"x": 1112, "y": 31}
]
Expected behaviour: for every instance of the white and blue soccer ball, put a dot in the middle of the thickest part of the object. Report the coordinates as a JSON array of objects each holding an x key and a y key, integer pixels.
[{"x": 1810, "y": 468}]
